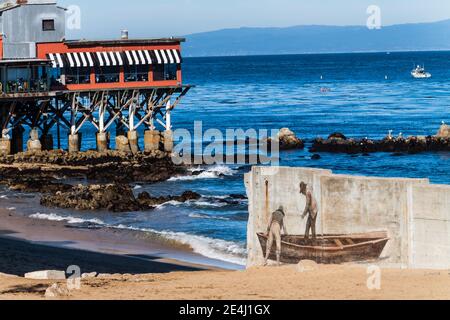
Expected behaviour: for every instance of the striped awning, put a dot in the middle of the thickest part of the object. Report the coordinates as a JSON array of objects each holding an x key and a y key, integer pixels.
[{"x": 114, "y": 58}]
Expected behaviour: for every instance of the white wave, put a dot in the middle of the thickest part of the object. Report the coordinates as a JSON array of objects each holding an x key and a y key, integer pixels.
[
  {"x": 169, "y": 203},
  {"x": 204, "y": 216},
  {"x": 213, "y": 172},
  {"x": 137, "y": 187},
  {"x": 11, "y": 208},
  {"x": 200, "y": 203},
  {"x": 68, "y": 219},
  {"x": 212, "y": 248},
  {"x": 4, "y": 196}
]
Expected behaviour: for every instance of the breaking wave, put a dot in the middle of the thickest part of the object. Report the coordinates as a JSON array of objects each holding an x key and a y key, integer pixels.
[
  {"x": 212, "y": 248},
  {"x": 69, "y": 219},
  {"x": 214, "y": 172}
]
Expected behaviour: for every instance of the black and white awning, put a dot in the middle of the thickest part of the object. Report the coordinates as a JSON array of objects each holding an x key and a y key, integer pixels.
[{"x": 114, "y": 58}]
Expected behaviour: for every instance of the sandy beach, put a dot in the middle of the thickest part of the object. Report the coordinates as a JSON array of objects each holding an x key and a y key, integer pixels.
[
  {"x": 327, "y": 282},
  {"x": 26, "y": 246}
]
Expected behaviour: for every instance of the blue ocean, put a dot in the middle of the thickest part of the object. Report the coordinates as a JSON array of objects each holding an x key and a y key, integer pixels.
[{"x": 367, "y": 95}]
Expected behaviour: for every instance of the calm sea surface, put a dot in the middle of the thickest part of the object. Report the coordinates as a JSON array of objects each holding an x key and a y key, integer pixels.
[{"x": 369, "y": 95}]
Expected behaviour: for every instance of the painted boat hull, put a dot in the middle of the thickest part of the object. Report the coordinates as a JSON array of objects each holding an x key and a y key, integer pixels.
[{"x": 329, "y": 249}]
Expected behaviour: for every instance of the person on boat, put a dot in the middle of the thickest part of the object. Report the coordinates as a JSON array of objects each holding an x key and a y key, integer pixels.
[
  {"x": 311, "y": 209},
  {"x": 276, "y": 225}
]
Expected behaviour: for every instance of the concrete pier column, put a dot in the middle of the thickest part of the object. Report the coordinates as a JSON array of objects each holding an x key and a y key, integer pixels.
[
  {"x": 133, "y": 141},
  {"x": 74, "y": 142},
  {"x": 122, "y": 144},
  {"x": 5, "y": 147},
  {"x": 17, "y": 139},
  {"x": 102, "y": 141},
  {"x": 168, "y": 140},
  {"x": 152, "y": 138},
  {"x": 47, "y": 142},
  {"x": 34, "y": 144}
]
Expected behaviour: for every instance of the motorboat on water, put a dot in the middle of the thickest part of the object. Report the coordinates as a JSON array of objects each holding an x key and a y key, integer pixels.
[{"x": 420, "y": 73}]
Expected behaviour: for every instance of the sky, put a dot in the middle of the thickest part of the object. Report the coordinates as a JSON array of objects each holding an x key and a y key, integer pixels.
[{"x": 104, "y": 19}]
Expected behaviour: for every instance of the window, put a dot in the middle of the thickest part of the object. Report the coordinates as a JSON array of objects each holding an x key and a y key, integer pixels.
[
  {"x": 107, "y": 74},
  {"x": 164, "y": 72},
  {"x": 136, "y": 73},
  {"x": 78, "y": 75},
  {"x": 48, "y": 25}
]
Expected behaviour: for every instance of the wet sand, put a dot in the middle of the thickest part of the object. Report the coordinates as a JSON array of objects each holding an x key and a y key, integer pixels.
[{"x": 30, "y": 244}]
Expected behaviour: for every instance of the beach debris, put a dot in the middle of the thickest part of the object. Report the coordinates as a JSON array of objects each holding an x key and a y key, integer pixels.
[
  {"x": 444, "y": 131},
  {"x": 57, "y": 290},
  {"x": 111, "y": 197},
  {"x": 89, "y": 275},
  {"x": 307, "y": 266},
  {"x": 46, "y": 275},
  {"x": 288, "y": 140}
]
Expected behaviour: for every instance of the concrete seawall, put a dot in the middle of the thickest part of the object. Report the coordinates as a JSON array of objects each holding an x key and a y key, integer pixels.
[{"x": 415, "y": 213}]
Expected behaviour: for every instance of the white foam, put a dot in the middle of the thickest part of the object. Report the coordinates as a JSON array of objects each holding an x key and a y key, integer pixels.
[
  {"x": 68, "y": 219},
  {"x": 199, "y": 203},
  {"x": 212, "y": 248},
  {"x": 169, "y": 203},
  {"x": 4, "y": 196},
  {"x": 11, "y": 208},
  {"x": 213, "y": 172},
  {"x": 205, "y": 216},
  {"x": 137, "y": 187}
]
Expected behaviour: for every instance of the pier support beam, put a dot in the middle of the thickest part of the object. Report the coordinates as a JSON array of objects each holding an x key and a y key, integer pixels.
[
  {"x": 133, "y": 141},
  {"x": 122, "y": 144},
  {"x": 5, "y": 146},
  {"x": 34, "y": 144},
  {"x": 168, "y": 140},
  {"x": 102, "y": 141},
  {"x": 74, "y": 142},
  {"x": 152, "y": 138}
]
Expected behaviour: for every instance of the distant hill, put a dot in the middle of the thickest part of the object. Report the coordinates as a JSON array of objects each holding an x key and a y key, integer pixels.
[{"x": 319, "y": 39}]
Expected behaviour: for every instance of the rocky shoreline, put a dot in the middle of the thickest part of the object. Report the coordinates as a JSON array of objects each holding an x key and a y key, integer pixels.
[
  {"x": 111, "y": 197},
  {"x": 110, "y": 166},
  {"x": 393, "y": 145}
]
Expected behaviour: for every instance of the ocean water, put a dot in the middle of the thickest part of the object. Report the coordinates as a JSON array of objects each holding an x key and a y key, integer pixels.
[{"x": 369, "y": 94}]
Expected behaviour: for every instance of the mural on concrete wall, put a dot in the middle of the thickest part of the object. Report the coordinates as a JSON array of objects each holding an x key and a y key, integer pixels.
[{"x": 278, "y": 245}]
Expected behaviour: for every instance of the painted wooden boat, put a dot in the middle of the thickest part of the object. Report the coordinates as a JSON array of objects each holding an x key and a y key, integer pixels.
[{"x": 329, "y": 249}]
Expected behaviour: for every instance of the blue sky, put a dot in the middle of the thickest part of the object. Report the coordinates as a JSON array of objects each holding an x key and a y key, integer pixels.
[{"x": 160, "y": 18}]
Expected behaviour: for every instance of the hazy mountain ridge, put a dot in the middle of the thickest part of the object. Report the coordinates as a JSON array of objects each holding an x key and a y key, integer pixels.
[{"x": 319, "y": 39}]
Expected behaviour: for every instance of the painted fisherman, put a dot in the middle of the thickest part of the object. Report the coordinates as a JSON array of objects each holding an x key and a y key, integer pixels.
[
  {"x": 274, "y": 229},
  {"x": 311, "y": 210}
]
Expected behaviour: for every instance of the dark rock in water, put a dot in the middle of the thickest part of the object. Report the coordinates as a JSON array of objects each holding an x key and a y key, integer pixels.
[
  {"x": 111, "y": 197},
  {"x": 366, "y": 146},
  {"x": 337, "y": 136},
  {"x": 287, "y": 140},
  {"x": 33, "y": 185},
  {"x": 197, "y": 172},
  {"x": 146, "y": 201},
  {"x": 316, "y": 157},
  {"x": 238, "y": 196}
]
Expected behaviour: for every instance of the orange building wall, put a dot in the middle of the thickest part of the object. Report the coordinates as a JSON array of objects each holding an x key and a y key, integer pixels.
[{"x": 43, "y": 49}]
